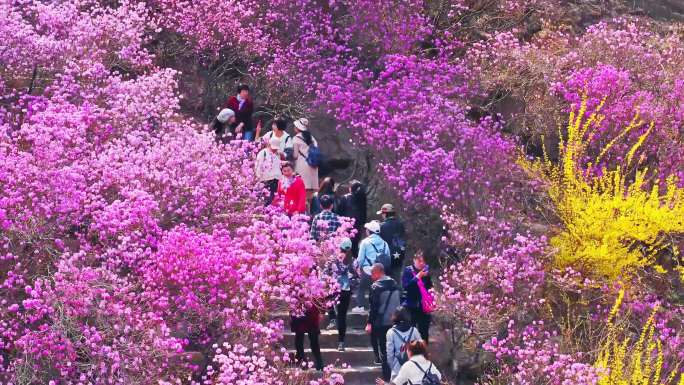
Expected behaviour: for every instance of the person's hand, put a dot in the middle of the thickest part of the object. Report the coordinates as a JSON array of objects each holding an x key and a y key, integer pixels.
[
  {"x": 421, "y": 274},
  {"x": 239, "y": 127},
  {"x": 258, "y": 127},
  {"x": 368, "y": 328},
  {"x": 379, "y": 381}
]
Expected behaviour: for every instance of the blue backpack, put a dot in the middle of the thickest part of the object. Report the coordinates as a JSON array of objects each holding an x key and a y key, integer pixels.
[
  {"x": 315, "y": 158},
  {"x": 383, "y": 257}
]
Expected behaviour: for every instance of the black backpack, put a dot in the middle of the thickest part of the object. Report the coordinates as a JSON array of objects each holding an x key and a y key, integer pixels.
[{"x": 429, "y": 378}]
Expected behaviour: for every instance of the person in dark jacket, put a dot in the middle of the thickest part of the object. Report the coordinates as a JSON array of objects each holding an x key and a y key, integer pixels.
[
  {"x": 355, "y": 207},
  {"x": 393, "y": 232},
  {"x": 412, "y": 300},
  {"x": 309, "y": 324},
  {"x": 243, "y": 107},
  {"x": 384, "y": 300}
]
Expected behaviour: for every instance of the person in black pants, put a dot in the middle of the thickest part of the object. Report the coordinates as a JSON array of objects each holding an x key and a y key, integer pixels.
[
  {"x": 384, "y": 300},
  {"x": 308, "y": 324},
  {"x": 412, "y": 299},
  {"x": 341, "y": 269}
]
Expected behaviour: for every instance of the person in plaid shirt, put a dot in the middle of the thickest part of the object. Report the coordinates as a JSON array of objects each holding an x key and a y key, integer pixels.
[{"x": 326, "y": 222}]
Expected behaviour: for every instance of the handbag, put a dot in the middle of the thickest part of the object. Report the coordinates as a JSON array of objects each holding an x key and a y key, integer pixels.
[{"x": 427, "y": 302}]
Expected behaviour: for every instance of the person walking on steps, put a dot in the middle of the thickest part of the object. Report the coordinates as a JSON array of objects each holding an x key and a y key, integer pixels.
[
  {"x": 398, "y": 339},
  {"x": 306, "y": 155},
  {"x": 291, "y": 191},
  {"x": 267, "y": 167},
  {"x": 309, "y": 324},
  {"x": 417, "y": 370},
  {"x": 326, "y": 222},
  {"x": 419, "y": 270},
  {"x": 278, "y": 131},
  {"x": 355, "y": 206},
  {"x": 371, "y": 250},
  {"x": 242, "y": 105},
  {"x": 341, "y": 269},
  {"x": 393, "y": 232},
  {"x": 385, "y": 297},
  {"x": 327, "y": 187}
]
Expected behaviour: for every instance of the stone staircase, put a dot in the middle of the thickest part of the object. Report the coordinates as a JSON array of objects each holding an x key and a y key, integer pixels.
[{"x": 358, "y": 355}]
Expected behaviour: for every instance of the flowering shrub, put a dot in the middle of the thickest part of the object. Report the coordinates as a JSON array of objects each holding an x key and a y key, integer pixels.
[
  {"x": 612, "y": 225},
  {"x": 485, "y": 292},
  {"x": 629, "y": 362},
  {"x": 132, "y": 243}
]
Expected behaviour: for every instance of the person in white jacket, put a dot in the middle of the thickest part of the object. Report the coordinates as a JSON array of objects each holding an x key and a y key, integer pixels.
[
  {"x": 398, "y": 339},
  {"x": 267, "y": 168},
  {"x": 416, "y": 369}
]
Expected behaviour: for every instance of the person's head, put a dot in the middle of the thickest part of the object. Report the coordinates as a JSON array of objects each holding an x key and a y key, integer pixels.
[
  {"x": 327, "y": 186},
  {"x": 226, "y": 116},
  {"x": 274, "y": 144},
  {"x": 418, "y": 347},
  {"x": 401, "y": 316},
  {"x": 356, "y": 187},
  {"x": 287, "y": 169},
  {"x": 377, "y": 271},
  {"x": 372, "y": 227},
  {"x": 386, "y": 211},
  {"x": 301, "y": 125},
  {"x": 279, "y": 124},
  {"x": 419, "y": 260},
  {"x": 243, "y": 91},
  {"x": 345, "y": 247},
  {"x": 341, "y": 190},
  {"x": 326, "y": 202}
]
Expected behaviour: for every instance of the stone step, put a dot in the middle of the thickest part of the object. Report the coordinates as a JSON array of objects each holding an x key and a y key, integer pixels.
[
  {"x": 328, "y": 338},
  {"x": 360, "y": 375},
  {"x": 353, "y": 375},
  {"x": 353, "y": 356}
]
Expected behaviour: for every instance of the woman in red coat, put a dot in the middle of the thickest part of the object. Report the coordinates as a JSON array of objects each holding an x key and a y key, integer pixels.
[{"x": 291, "y": 191}]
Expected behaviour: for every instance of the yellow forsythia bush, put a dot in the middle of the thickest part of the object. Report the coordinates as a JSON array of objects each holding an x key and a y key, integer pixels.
[
  {"x": 612, "y": 224},
  {"x": 622, "y": 362}
]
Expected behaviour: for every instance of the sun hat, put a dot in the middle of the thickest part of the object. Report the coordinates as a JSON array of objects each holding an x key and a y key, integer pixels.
[
  {"x": 346, "y": 244},
  {"x": 386, "y": 208},
  {"x": 302, "y": 124},
  {"x": 274, "y": 143},
  {"x": 225, "y": 114},
  {"x": 373, "y": 226}
]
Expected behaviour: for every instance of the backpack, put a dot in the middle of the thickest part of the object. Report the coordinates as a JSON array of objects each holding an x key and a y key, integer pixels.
[
  {"x": 314, "y": 158},
  {"x": 289, "y": 150},
  {"x": 385, "y": 258},
  {"x": 429, "y": 378},
  {"x": 399, "y": 246},
  {"x": 392, "y": 302},
  {"x": 403, "y": 354}
]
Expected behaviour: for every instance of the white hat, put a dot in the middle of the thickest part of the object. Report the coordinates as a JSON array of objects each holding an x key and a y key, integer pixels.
[
  {"x": 302, "y": 124},
  {"x": 274, "y": 143},
  {"x": 373, "y": 226},
  {"x": 225, "y": 114}
]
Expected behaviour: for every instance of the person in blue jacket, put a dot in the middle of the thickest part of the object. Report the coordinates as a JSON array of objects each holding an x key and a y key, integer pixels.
[{"x": 412, "y": 299}]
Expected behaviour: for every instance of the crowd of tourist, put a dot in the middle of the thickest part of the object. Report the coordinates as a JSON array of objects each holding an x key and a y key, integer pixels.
[{"x": 371, "y": 263}]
